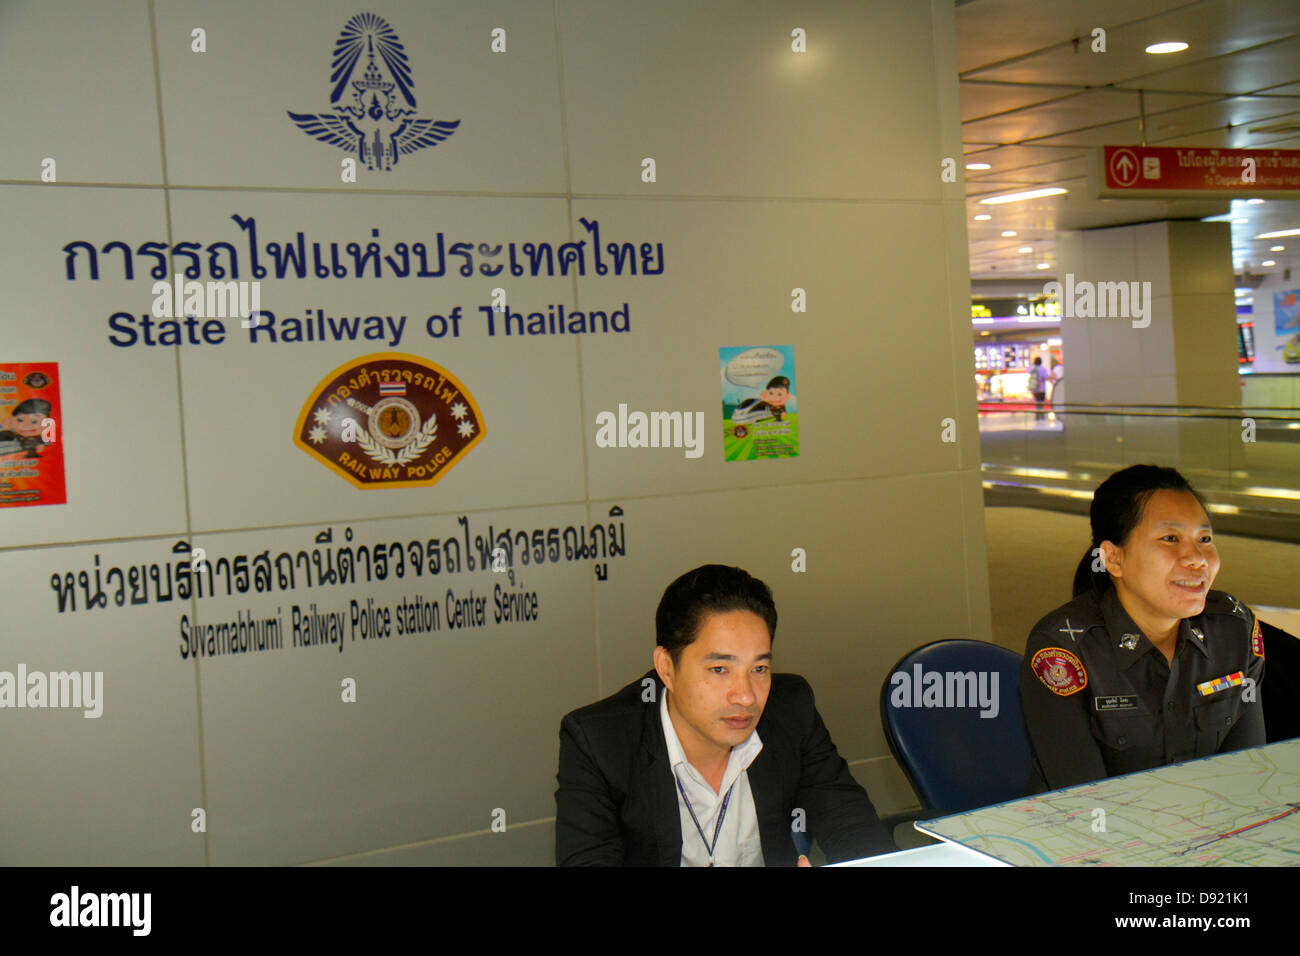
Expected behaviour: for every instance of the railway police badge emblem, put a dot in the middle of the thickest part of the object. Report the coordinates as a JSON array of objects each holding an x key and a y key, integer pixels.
[
  {"x": 376, "y": 119},
  {"x": 1060, "y": 671},
  {"x": 389, "y": 420}
]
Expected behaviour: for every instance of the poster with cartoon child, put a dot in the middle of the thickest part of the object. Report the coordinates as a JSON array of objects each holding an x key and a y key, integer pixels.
[
  {"x": 31, "y": 454},
  {"x": 759, "y": 414}
]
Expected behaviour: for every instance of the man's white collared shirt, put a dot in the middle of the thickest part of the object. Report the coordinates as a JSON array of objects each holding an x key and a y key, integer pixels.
[{"x": 739, "y": 843}]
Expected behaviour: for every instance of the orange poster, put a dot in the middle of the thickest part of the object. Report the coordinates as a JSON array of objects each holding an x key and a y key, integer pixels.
[{"x": 31, "y": 439}]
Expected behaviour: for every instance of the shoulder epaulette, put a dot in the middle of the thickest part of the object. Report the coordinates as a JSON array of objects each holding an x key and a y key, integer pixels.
[
  {"x": 1223, "y": 604},
  {"x": 1068, "y": 623}
]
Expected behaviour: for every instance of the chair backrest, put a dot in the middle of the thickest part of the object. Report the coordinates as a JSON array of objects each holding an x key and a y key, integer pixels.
[
  {"x": 1280, "y": 692},
  {"x": 933, "y": 707}
]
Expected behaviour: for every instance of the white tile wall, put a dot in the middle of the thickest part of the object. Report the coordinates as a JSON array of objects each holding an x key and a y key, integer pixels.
[
  {"x": 447, "y": 725},
  {"x": 118, "y": 789},
  {"x": 121, "y": 427},
  {"x": 79, "y": 89},
  {"x": 716, "y": 96}
]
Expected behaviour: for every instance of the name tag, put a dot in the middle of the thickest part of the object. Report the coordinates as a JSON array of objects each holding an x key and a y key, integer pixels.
[
  {"x": 1220, "y": 683},
  {"x": 1121, "y": 702}
]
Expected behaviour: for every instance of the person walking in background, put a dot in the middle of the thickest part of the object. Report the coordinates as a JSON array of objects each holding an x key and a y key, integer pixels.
[{"x": 1038, "y": 387}]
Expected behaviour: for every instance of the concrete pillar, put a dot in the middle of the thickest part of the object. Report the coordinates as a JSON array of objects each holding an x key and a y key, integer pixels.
[{"x": 1182, "y": 351}]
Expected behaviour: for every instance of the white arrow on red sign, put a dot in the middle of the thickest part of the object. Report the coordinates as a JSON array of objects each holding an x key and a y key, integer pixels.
[{"x": 1124, "y": 167}]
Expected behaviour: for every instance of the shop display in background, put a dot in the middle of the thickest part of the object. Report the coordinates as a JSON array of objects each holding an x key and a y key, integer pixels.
[
  {"x": 1002, "y": 369},
  {"x": 1286, "y": 321},
  {"x": 1245, "y": 343}
]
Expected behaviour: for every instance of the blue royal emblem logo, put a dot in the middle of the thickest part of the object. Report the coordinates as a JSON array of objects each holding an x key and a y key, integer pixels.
[{"x": 377, "y": 122}]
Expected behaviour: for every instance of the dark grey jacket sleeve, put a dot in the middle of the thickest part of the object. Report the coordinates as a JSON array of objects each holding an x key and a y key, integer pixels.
[
  {"x": 839, "y": 813},
  {"x": 587, "y": 831}
]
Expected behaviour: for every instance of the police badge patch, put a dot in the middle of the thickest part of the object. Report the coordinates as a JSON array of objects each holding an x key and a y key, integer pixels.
[
  {"x": 389, "y": 420},
  {"x": 1060, "y": 671}
]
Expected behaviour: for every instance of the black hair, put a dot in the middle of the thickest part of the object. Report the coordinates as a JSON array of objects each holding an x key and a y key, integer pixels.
[
  {"x": 708, "y": 589},
  {"x": 779, "y": 382},
  {"x": 1038, "y": 360},
  {"x": 1116, "y": 509},
  {"x": 33, "y": 406}
]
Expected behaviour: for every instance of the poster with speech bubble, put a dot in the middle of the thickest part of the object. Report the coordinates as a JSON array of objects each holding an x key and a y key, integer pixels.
[
  {"x": 31, "y": 448},
  {"x": 759, "y": 411},
  {"x": 1286, "y": 311}
]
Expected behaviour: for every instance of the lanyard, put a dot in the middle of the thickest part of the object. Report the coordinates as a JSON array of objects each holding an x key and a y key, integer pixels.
[{"x": 717, "y": 829}]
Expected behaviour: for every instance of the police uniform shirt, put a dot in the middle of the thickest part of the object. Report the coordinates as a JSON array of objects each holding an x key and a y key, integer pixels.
[
  {"x": 738, "y": 842},
  {"x": 1101, "y": 700}
]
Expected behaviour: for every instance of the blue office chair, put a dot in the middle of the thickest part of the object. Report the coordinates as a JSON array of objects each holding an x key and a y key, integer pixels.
[{"x": 955, "y": 759}]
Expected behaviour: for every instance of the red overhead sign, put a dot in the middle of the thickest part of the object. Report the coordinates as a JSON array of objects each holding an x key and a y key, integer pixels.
[{"x": 1139, "y": 169}]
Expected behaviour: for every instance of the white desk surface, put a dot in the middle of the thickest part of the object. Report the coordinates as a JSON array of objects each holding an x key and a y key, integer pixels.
[{"x": 941, "y": 854}]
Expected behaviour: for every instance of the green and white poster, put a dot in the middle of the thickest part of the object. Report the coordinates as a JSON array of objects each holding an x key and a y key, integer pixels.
[{"x": 759, "y": 412}]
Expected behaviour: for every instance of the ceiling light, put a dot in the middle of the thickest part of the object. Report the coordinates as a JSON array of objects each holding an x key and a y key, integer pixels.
[
  {"x": 1238, "y": 222},
  {"x": 1279, "y": 234},
  {"x": 981, "y": 321},
  {"x": 1017, "y": 197},
  {"x": 1043, "y": 265},
  {"x": 1277, "y": 248},
  {"x": 983, "y": 217},
  {"x": 1172, "y": 46},
  {"x": 1025, "y": 249},
  {"x": 1287, "y": 493},
  {"x": 1268, "y": 262},
  {"x": 1254, "y": 202},
  {"x": 985, "y": 332},
  {"x": 980, "y": 166},
  {"x": 1008, "y": 233}
]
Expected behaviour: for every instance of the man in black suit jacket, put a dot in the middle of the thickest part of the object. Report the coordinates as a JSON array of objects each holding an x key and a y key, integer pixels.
[{"x": 619, "y": 801}]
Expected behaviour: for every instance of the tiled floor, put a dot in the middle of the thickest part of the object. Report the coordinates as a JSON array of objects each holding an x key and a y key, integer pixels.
[{"x": 1033, "y": 554}]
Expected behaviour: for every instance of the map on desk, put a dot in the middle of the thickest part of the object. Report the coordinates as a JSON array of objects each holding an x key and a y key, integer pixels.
[{"x": 1234, "y": 809}]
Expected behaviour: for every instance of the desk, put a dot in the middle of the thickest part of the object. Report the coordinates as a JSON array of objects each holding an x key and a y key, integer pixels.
[
  {"x": 941, "y": 854},
  {"x": 1236, "y": 809}
]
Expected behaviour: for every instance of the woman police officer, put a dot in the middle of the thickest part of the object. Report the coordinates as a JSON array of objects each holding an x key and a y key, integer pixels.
[{"x": 1146, "y": 666}]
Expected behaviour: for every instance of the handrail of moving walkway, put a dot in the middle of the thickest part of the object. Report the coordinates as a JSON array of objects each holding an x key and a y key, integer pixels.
[
  {"x": 1213, "y": 408},
  {"x": 1027, "y": 405}
]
